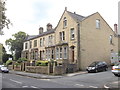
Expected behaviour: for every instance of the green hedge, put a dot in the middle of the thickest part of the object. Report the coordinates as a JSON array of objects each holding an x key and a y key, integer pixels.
[
  {"x": 21, "y": 60},
  {"x": 41, "y": 63}
]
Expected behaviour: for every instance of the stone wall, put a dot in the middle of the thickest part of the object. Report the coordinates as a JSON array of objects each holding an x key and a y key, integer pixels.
[
  {"x": 10, "y": 67},
  {"x": 59, "y": 70},
  {"x": 17, "y": 67},
  {"x": 37, "y": 69}
]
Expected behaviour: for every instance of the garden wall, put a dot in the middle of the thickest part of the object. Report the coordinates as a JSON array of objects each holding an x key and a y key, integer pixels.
[
  {"x": 58, "y": 70},
  {"x": 37, "y": 69},
  {"x": 17, "y": 67}
]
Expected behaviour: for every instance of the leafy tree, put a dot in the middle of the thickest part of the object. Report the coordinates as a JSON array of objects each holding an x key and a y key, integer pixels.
[
  {"x": 4, "y": 21},
  {"x": 9, "y": 62},
  {"x": 5, "y": 56},
  {"x": 16, "y": 43},
  {"x": 21, "y": 60},
  {"x": 119, "y": 53}
]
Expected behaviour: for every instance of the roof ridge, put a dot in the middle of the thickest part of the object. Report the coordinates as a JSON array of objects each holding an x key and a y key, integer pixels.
[
  {"x": 76, "y": 17},
  {"x": 76, "y": 14}
]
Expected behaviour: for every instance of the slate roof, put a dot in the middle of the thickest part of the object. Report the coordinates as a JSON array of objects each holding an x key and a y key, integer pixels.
[
  {"x": 42, "y": 34},
  {"x": 30, "y": 37},
  {"x": 76, "y": 17}
]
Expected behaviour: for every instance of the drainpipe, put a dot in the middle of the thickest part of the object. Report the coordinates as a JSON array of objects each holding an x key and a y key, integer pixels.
[{"x": 78, "y": 46}]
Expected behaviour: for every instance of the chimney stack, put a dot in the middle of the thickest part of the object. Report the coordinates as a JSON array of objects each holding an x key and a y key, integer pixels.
[
  {"x": 49, "y": 26},
  {"x": 65, "y": 8},
  {"x": 115, "y": 28},
  {"x": 40, "y": 30}
]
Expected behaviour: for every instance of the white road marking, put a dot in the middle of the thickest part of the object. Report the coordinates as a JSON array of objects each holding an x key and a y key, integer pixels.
[
  {"x": 44, "y": 79},
  {"x": 15, "y": 81},
  {"x": 79, "y": 85},
  {"x": 93, "y": 87},
  {"x": 24, "y": 86},
  {"x": 33, "y": 87},
  {"x": 105, "y": 86}
]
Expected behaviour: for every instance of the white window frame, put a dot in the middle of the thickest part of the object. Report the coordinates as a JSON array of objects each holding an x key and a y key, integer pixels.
[
  {"x": 49, "y": 54},
  {"x": 40, "y": 42},
  {"x": 35, "y": 41},
  {"x": 62, "y": 35},
  {"x": 43, "y": 41},
  {"x": 97, "y": 24},
  {"x": 72, "y": 33},
  {"x": 60, "y": 53},
  {"x": 111, "y": 39},
  {"x": 57, "y": 53},
  {"x": 64, "y": 22},
  {"x": 26, "y": 45},
  {"x": 35, "y": 55},
  {"x": 52, "y": 54},
  {"x": 65, "y": 52}
]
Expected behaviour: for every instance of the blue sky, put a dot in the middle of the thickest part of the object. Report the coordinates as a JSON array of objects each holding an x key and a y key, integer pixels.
[{"x": 29, "y": 15}]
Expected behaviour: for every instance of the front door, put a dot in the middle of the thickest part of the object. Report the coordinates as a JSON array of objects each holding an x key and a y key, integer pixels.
[{"x": 72, "y": 53}]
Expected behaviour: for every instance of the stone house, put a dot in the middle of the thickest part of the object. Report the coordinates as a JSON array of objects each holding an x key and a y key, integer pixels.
[
  {"x": 1, "y": 46},
  {"x": 75, "y": 42}
]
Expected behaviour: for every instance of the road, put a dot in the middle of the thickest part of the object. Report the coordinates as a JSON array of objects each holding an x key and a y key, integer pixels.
[{"x": 89, "y": 80}]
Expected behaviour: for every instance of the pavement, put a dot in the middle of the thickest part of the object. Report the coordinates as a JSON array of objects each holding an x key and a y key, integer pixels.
[{"x": 44, "y": 76}]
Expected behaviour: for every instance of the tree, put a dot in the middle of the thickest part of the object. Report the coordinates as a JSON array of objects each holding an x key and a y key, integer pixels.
[
  {"x": 5, "y": 56},
  {"x": 16, "y": 44},
  {"x": 4, "y": 21},
  {"x": 118, "y": 53}
]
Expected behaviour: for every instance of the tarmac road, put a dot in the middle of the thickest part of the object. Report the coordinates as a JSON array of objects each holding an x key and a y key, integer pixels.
[{"x": 88, "y": 80}]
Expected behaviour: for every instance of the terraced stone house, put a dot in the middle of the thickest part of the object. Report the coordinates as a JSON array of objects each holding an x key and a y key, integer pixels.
[
  {"x": 1, "y": 46},
  {"x": 75, "y": 42}
]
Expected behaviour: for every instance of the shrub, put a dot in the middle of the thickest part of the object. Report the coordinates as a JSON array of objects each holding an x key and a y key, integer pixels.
[
  {"x": 21, "y": 60},
  {"x": 16, "y": 64},
  {"x": 41, "y": 63},
  {"x": 8, "y": 62},
  {"x": 119, "y": 53}
]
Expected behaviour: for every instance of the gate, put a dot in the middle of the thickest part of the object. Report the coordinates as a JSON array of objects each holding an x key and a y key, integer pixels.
[
  {"x": 51, "y": 67},
  {"x": 71, "y": 68}
]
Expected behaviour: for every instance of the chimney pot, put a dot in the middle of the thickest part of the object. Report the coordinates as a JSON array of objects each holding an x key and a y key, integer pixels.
[
  {"x": 40, "y": 30},
  {"x": 115, "y": 28},
  {"x": 49, "y": 26},
  {"x": 65, "y": 8}
]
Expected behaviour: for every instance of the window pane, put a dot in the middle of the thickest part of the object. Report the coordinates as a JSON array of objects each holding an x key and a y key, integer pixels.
[
  {"x": 35, "y": 43},
  {"x": 63, "y": 35},
  {"x": 41, "y": 42},
  {"x": 97, "y": 24},
  {"x": 26, "y": 44},
  {"x": 52, "y": 54},
  {"x": 60, "y": 36},
  {"x": 72, "y": 33},
  {"x": 60, "y": 52},
  {"x": 110, "y": 39},
  {"x": 64, "y": 22},
  {"x": 65, "y": 52},
  {"x": 57, "y": 53}
]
